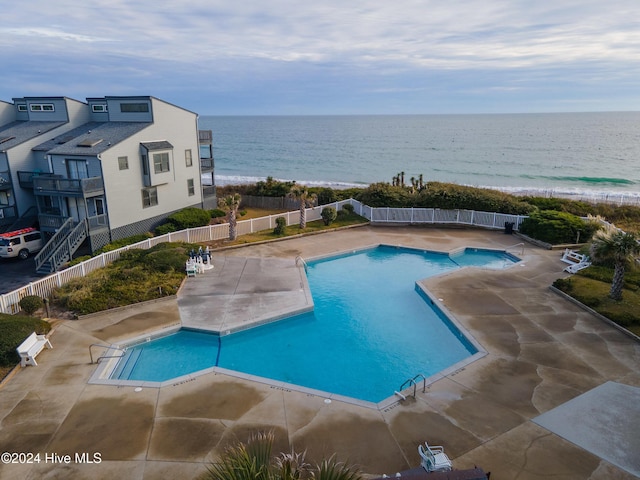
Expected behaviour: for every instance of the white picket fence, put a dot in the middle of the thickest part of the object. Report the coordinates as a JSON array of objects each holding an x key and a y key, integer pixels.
[{"x": 9, "y": 302}]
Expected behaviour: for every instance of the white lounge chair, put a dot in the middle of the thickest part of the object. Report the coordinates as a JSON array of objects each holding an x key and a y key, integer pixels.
[
  {"x": 191, "y": 269},
  {"x": 433, "y": 458},
  {"x": 31, "y": 347},
  {"x": 573, "y": 258},
  {"x": 577, "y": 267}
]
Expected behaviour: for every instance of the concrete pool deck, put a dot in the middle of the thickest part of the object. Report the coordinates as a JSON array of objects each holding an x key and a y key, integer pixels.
[{"x": 543, "y": 352}]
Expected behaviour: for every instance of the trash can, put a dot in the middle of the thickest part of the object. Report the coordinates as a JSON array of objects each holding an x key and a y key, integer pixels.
[{"x": 508, "y": 227}]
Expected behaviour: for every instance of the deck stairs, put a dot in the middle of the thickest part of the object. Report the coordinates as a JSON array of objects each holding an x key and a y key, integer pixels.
[{"x": 61, "y": 247}]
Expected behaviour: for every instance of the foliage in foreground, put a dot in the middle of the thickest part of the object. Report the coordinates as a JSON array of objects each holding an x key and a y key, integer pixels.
[
  {"x": 254, "y": 461},
  {"x": 620, "y": 248},
  {"x": 139, "y": 275},
  {"x": 14, "y": 329}
]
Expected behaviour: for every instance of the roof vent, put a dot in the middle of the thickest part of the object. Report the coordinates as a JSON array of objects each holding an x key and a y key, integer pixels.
[{"x": 90, "y": 143}]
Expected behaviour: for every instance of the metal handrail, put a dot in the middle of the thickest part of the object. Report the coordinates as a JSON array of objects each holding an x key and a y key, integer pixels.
[
  {"x": 521, "y": 244},
  {"x": 109, "y": 347},
  {"x": 300, "y": 259},
  {"x": 412, "y": 381}
]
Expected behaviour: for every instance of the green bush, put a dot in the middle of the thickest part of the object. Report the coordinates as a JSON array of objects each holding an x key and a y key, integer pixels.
[
  {"x": 189, "y": 218},
  {"x": 14, "y": 329},
  {"x": 217, "y": 213},
  {"x": 30, "y": 304},
  {"x": 329, "y": 215},
  {"x": 281, "y": 225},
  {"x": 138, "y": 275},
  {"x": 165, "y": 228},
  {"x": 557, "y": 227},
  {"x": 123, "y": 242},
  {"x": 347, "y": 207},
  {"x": 564, "y": 285}
]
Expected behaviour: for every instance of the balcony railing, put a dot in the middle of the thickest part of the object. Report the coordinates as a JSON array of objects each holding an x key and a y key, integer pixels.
[
  {"x": 25, "y": 179},
  {"x": 68, "y": 186},
  {"x": 50, "y": 223},
  {"x": 206, "y": 164},
  {"x": 205, "y": 136},
  {"x": 208, "y": 190}
]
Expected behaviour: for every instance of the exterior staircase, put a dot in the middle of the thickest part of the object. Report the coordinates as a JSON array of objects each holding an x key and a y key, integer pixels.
[{"x": 61, "y": 247}]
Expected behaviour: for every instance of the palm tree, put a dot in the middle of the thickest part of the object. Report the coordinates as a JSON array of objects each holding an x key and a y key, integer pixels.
[
  {"x": 253, "y": 461},
  {"x": 300, "y": 192},
  {"x": 620, "y": 247},
  {"x": 230, "y": 204}
]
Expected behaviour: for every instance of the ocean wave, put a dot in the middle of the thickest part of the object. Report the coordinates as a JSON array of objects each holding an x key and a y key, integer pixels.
[
  {"x": 592, "y": 180},
  {"x": 223, "y": 180}
]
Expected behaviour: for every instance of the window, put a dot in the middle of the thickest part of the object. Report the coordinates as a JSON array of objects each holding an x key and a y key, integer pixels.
[
  {"x": 188, "y": 158},
  {"x": 32, "y": 237},
  {"x": 149, "y": 197},
  {"x": 42, "y": 107},
  {"x": 160, "y": 162},
  {"x": 134, "y": 107},
  {"x": 99, "y": 108},
  {"x": 123, "y": 163},
  {"x": 4, "y": 198},
  {"x": 190, "y": 187},
  {"x": 22, "y": 107}
]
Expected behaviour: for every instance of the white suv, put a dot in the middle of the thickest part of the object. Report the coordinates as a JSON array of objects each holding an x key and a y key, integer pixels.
[{"x": 20, "y": 243}]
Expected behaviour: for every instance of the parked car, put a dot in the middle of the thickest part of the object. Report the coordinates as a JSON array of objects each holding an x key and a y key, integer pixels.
[{"x": 20, "y": 243}]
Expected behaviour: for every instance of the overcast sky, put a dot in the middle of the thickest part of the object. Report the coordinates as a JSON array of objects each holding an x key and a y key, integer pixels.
[{"x": 329, "y": 56}]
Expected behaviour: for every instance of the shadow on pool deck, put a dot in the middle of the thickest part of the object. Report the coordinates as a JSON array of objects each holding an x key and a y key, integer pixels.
[{"x": 542, "y": 352}]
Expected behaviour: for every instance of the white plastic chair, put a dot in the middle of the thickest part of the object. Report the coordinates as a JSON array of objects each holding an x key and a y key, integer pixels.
[{"x": 433, "y": 459}]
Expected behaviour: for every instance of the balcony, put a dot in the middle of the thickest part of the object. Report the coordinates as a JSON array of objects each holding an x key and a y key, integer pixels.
[
  {"x": 205, "y": 137},
  {"x": 208, "y": 190},
  {"x": 206, "y": 164},
  {"x": 68, "y": 187},
  {"x": 51, "y": 223}
]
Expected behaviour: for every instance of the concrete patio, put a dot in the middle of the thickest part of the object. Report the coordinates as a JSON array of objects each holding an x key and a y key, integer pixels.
[{"x": 543, "y": 352}]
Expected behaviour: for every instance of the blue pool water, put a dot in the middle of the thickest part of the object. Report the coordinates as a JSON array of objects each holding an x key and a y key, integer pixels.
[{"x": 371, "y": 329}]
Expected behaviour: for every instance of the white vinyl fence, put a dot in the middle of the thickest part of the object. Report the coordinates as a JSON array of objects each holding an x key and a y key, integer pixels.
[{"x": 9, "y": 302}]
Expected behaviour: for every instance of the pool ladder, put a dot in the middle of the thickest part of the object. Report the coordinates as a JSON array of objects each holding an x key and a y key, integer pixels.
[
  {"x": 108, "y": 347},
  {"x": 521, "y": 245},
  {"x": 412, "y": 381},
  {"x": 300, "y": 260}
]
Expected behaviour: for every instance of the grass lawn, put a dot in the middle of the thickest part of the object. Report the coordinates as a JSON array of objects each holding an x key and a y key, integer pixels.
[{"x": 595, "y": 294}]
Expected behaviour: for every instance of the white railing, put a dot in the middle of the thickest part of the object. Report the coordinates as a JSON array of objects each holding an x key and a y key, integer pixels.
[{"x": 9, "y": 302}]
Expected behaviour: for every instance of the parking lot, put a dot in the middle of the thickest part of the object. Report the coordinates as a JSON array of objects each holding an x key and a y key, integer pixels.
[{"x": 15, "y": 273}]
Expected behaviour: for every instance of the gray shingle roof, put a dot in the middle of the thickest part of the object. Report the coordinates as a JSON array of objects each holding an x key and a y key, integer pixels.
[
  {"x": 160, "y": 145},
  {"x": 96, "y": 138},
  {"x": 21, "y": 131}
]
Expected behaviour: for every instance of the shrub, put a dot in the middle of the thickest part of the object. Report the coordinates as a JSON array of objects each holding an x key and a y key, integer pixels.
[
  {"x": 123, "y": 242},
  {"x": 189, "y": 218},
  {"x": 14, "y": 329},
  {"x": 328, "y": 215},
  {"x": 165, "y": 228},
  {"x": 217, "y": 213},
  {"x": 30, "y": 304},
  {"x": 563, "y": 284},
  {"x": 556, "y": 227},
  {"x": 347, "y": 207},
  {"x": 281, "y": 224}
]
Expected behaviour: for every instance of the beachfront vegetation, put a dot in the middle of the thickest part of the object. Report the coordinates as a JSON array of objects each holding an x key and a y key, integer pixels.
[
  {"x": 329, "y": 215},
  {"x": 253, "y": 460},
  {"x": 619, "y": 247},
  {"x": 31, "y": 304},
  {"x": 186, "y": 218},
  {"x": 231, "y": 204},
  {"x": 306, "y": 199},
  {"x": 557, "y": 227},
  {"x": 138, "y": 275},
  {"x": 14, "y": 329},
  {"x": 281, "y": 225}
]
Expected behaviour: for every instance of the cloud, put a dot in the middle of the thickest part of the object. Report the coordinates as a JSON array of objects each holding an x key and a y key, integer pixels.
[{"x": 219, "y": 46}]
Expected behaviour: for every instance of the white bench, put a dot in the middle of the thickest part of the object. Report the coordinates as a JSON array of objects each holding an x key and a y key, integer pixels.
[{"x": 31, "y": 347}]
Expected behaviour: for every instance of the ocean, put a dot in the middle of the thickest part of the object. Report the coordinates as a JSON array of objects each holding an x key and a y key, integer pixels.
[{"x": 591, "y": 156}]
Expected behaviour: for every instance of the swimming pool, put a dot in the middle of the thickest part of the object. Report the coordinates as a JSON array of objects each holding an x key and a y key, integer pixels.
[{"x": 372, "y": 328}]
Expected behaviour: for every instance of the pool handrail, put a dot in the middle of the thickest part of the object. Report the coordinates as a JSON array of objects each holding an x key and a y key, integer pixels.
[
  {"x": 412, "y": 381},
  {"x": 108, "y": 347}
]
